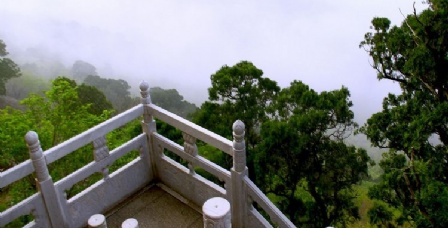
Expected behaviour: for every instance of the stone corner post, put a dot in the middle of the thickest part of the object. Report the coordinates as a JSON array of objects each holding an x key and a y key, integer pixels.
[
  {"x": 216, "y": 213},
  {"x": 238, "y": 172},
  {"x": 148, "y": 126},
  {"x": 52, "y": 199}
]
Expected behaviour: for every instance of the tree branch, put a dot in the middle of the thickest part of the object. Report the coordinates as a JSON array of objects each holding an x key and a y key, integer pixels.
[{"x": 409, "y": 26}]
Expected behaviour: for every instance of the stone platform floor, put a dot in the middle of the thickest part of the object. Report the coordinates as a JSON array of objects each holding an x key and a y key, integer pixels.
[{"x": 156, "y": 206}]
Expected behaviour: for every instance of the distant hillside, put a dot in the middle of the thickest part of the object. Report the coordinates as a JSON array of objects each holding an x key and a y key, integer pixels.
[
  {"x": 9, "y": 101},
  {"x": 361, "y": 140}
]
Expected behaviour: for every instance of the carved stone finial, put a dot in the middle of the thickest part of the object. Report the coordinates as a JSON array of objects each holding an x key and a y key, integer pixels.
[
  {"x": 37, "y": 157},
  {"x": 239, "y": 146},
  {"x": 238, "y": 128},
  {"x": 31, "y": 138},
  {"x": 144, "y": 86},
  {"x": 144, "y": 91}
]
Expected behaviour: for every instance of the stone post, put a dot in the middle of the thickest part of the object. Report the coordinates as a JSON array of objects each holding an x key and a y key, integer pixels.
[
  {"x": 130, "y": 223},
  {"x": 238, "y": 172},
  {"x": 216, "y": 213},
  {"x": 97, "y": 221},
  {"x": 190, "y": 148},
  {"x": 148, "y": 126},
  {"x": 44, "y": 182}
]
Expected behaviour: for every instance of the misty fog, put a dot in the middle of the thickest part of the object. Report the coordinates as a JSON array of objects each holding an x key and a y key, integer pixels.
[{"x": 179, "y": 44}]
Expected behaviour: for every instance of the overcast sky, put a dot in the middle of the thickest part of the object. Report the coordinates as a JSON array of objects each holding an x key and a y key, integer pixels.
[{"x": 179, "y": 44}]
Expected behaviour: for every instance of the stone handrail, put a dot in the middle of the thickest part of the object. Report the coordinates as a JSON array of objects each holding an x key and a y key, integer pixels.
[
  {"x": 97, "y": 167},
  {"x": 51, "y": 208},
  {"x": 25, "y": 168},
  {"x": 197, "y": 160},
  {"x": 262, "y": 200},
  {"x": 192, "y": 129}
]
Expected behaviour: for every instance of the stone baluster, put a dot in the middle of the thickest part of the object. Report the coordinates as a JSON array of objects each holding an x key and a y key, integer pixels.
[
  {"x": 97, "y": 221},
  {"x": 190, "y": 148},
  {"x": 216, "y": 213},
  {"x": 148, "y": 126},
  {"x": 100, "y": 152},
  {"x": 238, "y": 172},
  {"x": 44, "y": 182}
]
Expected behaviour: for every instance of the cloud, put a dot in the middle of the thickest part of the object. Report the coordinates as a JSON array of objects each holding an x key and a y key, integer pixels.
[{"x": 181, "y": 43}]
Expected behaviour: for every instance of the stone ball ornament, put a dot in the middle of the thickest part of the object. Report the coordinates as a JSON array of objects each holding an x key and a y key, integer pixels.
[
  {"x": 31, "y": 138},
  {"x": 238, "y": 127},
  {"x": 144, "y": 86}
]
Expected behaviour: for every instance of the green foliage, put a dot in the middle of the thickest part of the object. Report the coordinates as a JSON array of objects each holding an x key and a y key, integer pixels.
[
  {"x": 172, "y": 101},
  {"x": 91, "y": 95},
  {"x": 13, "y": 126},
  {"x": 170, "y": 132},
  {"x": 295, "y": 142},
  {"x": 21, "y": 87},
  {"x": 238, "y": 92},
  {"x": 56, "y": 116},
  {"x": 243, "y": 93},
  {"x": 61, "y": 111},
  {"x": 413, "y": 124},
  {"x": 302, "y": 151},
  {"x": 8, "y": 69},
  {"x": 211, "y": 117},
  {"x": 116, "y": 91},
  {"x": 380, "y": 215}
]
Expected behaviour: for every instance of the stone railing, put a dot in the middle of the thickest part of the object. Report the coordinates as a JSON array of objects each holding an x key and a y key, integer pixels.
[{"x": 51, "y": 208}]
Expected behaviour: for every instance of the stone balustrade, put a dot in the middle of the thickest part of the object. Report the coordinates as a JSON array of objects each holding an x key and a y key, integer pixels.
[{"x": 51, "y": 208}]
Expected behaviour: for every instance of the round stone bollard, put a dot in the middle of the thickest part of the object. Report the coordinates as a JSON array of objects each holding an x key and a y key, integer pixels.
[
  {"x": 97, "y": 221},
  {"x": 130, "y": 223},
  {"x": 217, "y": 213}
]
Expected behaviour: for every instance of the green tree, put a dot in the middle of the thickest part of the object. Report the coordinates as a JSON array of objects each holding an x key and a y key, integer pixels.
[
  {"x": 303, "y": 160},
  {"x": 13, "y": 126},
  {"x": 380, "y": 215},
  {"x": 238, "y": 92},
  {"x": 8, "y": 69},
  {"x": 61, "y": 110},
  {"x": 172, "y": 101},
  {"x": 93, "y": 96},
  {"x": 413, "y": 125},
  {"x": 116, "y": 91},
  {"x": 56, "y": 116},
  {"x": 19, "y": 88}
]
